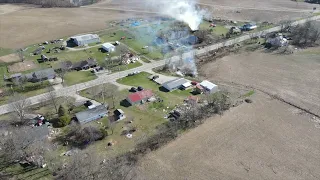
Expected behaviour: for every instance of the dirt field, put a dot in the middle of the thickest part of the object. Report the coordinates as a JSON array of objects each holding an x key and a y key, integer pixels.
[
  {"x": 268, "y": 139},
  {"x": 264, "y": 140},
  {"x": 250, "y": 10},
  {"x": 21, "y": 25},
  {"x": 9, "y": 58},
  {"x": 30, "y": 26},
  {"x": 295, "y": 78},
  {"x": 22, "y": 66}
]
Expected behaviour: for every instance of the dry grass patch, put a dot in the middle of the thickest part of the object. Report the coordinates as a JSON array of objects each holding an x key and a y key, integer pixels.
[{"x": 22, "y": 66}]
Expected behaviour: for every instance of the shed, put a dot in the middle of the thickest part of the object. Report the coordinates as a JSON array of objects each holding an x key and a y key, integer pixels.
[
  {"x": 108, "y": 47},
  {"x": 209, "y": 86},
  {"x": 119, "y": 114},
  {"x": 186, "y": 85},
  {"x": 84, "y": 39},
  {"x": 92, "y": 114},
  {"x": 174, "y": 84},
  {"x": 139, "y": 97}
]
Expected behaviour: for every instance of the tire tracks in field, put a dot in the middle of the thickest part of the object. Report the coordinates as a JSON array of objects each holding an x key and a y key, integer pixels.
[{"x": 274, "y": 96}]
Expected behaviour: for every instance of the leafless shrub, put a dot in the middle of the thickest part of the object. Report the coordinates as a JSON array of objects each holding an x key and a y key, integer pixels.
[
  {"x": 306, "y": 35},
  {"x": 19, "y": 104},
  {"x": 81, "y": 137}
]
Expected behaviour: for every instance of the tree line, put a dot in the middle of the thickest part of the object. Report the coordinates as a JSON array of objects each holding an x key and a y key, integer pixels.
[{"x": 53, "y": 3}]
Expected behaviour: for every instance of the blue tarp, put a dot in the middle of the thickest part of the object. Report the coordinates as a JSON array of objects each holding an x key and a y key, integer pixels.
[{"x": 135, "y": 24}]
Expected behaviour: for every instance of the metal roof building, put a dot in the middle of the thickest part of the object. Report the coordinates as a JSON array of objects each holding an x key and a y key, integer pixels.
[
  {"x": 209, "y": 86},
  {"x": 84, "y": 39},
  {"x": 92, "y": 114},
  {"x": 108, "y": 47},
  {"x": 174, "y": 84}
]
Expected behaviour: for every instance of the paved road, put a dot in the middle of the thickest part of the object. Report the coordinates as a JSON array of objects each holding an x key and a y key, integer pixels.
[{"x": 146, "y": 67}]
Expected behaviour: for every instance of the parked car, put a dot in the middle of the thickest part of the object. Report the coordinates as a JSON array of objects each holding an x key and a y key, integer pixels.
[
  {"x": 88, "y": 103},
  {"x": 140, "y": 88},
  {"x": 133, "y": 89},
  {"x": 248, "y": 27}
]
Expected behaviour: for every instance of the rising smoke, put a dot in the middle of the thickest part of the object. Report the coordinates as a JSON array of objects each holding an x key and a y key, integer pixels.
[{"x": 181, "y": 10}]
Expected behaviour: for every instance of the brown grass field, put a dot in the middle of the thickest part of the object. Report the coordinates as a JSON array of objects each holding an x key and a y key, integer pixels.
[
  {"x": 295, "y": 78},
  {"x": 21, "y": 66},
  {"x": 9, "y": 58},
  {"x": 22, "y": 25},
  {"x": 268, "y": 139}
]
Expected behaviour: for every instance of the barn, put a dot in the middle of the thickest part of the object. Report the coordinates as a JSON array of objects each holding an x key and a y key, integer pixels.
[
  {"x": 84, "y": 39},
  {"x": 108, "y": 47}
]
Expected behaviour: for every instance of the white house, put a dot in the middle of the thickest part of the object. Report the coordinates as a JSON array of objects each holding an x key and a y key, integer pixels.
[
  {"x": 108, "y": 47},
  {"x": 209, "y": 86},
  {"x": 84, "y": 39}
]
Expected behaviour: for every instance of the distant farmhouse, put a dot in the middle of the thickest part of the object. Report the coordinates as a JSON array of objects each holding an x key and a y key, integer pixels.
[
  {"x": 92, "y": 114},
  {"x": 84, "y": 65},
  {"x": 36, "y": 76},
  {"x": 40, "y": 75},
  {"x": 81, "y": 40}
]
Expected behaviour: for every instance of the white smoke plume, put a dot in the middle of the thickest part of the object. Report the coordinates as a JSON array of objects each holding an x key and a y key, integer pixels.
[{"x": 182, "y": 10}]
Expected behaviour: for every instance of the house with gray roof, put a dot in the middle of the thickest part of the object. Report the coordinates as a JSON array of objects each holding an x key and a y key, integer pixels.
[
  {"x": 174, "y": 84},
  {"x": 84, "y": 39},
  {"x": 43, "y": 74},
  {"x": 92, "y": 114}
]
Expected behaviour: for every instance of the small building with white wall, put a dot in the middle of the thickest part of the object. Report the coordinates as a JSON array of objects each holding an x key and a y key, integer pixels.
[
  {"x": 85, "y": 39},
  {"x": 108, "y": 47},
  {"x": 209, "y": 87}
]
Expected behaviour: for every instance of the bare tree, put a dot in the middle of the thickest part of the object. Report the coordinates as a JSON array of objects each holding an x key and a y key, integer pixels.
[
  {"x": 306, "y": 35},
  {"x": 26, "y": 145},
  {"x": 19, "y": 104},
  {"x": 109, "y": 91},
  {"x": 20, "y": 55},
  {"x": 62, "y": 71},
  {"x": 20, "y": 82},
  {"x": 285, "y": 25},
  {"x": 53, "y": 98}
]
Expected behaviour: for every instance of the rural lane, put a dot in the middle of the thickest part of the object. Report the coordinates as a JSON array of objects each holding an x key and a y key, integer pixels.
[{"x": 66, "y": 91}]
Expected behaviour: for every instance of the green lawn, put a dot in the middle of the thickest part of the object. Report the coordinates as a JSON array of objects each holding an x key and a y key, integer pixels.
[
  {"x": 145, "y": 117},
  {"x": 5, "y": 51},
  {"x": 75, "y": 77},
  {"x": 3, "y": 71},
  {"x": 126, "y": 67},
  {"x": 31, "y": 173},
  {"x": 141, "y": 79},
  {"x": 145, "y": 60}
]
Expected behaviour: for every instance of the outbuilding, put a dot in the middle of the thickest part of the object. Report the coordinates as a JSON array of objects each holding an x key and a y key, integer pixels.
[
  {"x": 174, "y": 84},
  {"x": 119, "y": 114},
  {"x": 209, "y": 87},
  {"x": 108, "y": 47},
  {"x": 92, "y": 114},
  {"x": 85, "y": 39}
]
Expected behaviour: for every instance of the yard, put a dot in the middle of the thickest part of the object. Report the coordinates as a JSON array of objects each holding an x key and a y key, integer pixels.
[
  {"x": 75, "y": 77},
  {"x": 145, "y": 118},
  {"x": 170, "y": 98}
]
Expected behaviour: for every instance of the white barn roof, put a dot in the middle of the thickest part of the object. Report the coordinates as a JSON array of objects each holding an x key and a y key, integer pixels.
[
  {"x": 108, "y": 45},
  {"x": 207, "y": 84},
  {"x": 85, "y": 37}
]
